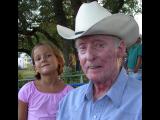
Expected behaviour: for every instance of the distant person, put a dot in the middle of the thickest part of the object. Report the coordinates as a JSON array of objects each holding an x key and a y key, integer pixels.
[
  {"x": 72, "y": 62},
  {"x": 101, "y": 39},
  {"x": 134, "y": 62},
  {"x": 39, "y": 99}
]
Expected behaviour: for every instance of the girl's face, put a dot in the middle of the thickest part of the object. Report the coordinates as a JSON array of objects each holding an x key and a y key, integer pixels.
[{"x": 45, "y": 60}]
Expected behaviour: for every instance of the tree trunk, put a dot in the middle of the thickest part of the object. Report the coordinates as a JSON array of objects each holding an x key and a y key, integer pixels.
[
  {"x": 61, "y": 19},
  {"x": 88, "y": 1},
  {"x": 75, "y": 5}
]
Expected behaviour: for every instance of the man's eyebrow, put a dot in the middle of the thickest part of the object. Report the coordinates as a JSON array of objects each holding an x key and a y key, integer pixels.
[{"x": 79, "y": 42}]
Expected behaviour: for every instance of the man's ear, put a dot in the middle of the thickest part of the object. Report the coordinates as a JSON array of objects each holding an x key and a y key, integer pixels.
[{"x": 121, "y": 49}]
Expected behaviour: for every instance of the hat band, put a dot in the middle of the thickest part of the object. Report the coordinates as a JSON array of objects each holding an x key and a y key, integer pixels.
[{"x": 76, "y": 33}]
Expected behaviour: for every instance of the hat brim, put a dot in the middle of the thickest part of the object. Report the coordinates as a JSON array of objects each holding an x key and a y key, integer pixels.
[{"x": 118, "y": 25}]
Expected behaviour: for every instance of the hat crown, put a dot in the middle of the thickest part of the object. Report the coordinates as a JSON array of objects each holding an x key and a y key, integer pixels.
[
  {"x": 88, "y": 15},
  {"x": 93, "y": 19}
]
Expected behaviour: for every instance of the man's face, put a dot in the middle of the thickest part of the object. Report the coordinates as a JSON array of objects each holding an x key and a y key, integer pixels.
[{"x": 98, "y": 57}]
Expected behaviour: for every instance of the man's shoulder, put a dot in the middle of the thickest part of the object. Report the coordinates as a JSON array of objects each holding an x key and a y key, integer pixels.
[
  {"x": 133, "y": 95},
  {"x": 134, "y": 87},
  {"x": 78, "y": 91},
  {"x": 135, "y": 82},
  {"x": 75, "y": 96}
]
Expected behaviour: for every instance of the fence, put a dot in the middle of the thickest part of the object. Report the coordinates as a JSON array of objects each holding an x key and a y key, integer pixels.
[{"x": 75, "y": 79}]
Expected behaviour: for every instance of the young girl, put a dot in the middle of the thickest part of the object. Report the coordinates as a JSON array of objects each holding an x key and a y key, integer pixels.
[{"x": 39, "y": 99}]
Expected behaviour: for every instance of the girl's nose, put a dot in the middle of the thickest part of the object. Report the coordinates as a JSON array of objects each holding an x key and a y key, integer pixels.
[{"x": 44, "y": 58}]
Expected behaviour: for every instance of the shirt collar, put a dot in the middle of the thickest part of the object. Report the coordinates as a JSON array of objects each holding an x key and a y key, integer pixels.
[
  {"x": 89, "y": 91},
  {"x": 116, "y": 91}
]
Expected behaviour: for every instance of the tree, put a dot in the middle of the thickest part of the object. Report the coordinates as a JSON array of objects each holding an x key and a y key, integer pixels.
[
  {"x": 122, "y": 6},
  {"x": 37, "y": 20}
]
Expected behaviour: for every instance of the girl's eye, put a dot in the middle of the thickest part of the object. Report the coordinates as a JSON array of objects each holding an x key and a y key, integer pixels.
[
  {"x": 37, "y": 59},
  {"x": 49, "y": 55}
]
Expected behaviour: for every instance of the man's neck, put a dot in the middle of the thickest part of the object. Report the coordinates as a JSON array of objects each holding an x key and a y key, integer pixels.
[{"x": 100, "y": 88}]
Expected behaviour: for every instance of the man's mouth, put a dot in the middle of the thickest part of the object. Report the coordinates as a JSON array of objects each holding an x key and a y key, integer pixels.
[{"x": 93, "y": 66}]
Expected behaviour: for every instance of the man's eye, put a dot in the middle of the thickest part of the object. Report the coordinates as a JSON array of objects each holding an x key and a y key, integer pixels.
[
  {"x": 82, "y": 49},
  {"x": 100, "y": 45}
]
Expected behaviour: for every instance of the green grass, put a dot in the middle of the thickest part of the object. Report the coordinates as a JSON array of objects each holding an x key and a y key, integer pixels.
[{"x": 23, "y": 74}]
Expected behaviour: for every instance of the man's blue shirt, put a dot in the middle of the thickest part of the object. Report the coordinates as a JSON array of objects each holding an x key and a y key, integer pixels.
[{"x": 123, "y": 101}]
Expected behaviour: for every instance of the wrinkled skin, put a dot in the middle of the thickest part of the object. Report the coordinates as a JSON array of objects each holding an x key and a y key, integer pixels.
[{"x": 99, "y": 57}]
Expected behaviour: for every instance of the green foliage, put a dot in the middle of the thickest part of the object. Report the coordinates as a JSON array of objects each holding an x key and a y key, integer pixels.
[
  {"x": 131, "y": 6},
  {"x": 46, "y": 10},
  {"x": 41, "y": 37},
  {"x": 123, "y": 6},
  {"x": 68, "y": 13},
  {"x": 20, "y": 76}
]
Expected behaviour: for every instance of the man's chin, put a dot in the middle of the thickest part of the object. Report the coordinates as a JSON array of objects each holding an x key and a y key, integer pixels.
[{"x": 93, "y": 78}]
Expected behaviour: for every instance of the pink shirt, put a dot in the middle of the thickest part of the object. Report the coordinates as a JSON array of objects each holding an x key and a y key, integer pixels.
[{"x": 41, "y": 106}]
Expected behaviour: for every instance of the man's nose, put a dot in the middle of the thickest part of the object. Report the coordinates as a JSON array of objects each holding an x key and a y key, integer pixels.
[{"x": 90, "y": 55}]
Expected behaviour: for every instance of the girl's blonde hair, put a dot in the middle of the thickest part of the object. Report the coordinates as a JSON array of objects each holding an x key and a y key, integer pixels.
[{"x": 57, "y": 53}]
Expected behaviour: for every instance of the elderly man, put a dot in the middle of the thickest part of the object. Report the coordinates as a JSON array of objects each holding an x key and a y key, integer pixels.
[{"x": 101, "y": 41}]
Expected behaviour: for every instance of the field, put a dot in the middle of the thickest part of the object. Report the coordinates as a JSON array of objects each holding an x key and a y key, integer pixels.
[{"x": 25, "y": 74}]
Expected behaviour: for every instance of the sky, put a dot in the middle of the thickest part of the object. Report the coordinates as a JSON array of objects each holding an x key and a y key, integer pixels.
[{"x": 138, "y": 18}]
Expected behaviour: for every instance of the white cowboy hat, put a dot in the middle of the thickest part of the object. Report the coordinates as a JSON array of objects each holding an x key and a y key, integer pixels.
[{"x": 94, "y": 19}]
